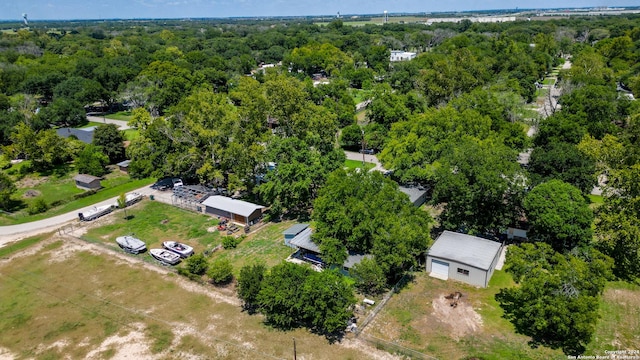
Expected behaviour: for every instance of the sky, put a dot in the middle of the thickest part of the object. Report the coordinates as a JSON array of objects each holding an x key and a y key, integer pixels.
[{"x": 135, "y": 9}]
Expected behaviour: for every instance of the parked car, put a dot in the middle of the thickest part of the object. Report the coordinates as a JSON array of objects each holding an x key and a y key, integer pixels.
[{"x": 367, "y": 151}]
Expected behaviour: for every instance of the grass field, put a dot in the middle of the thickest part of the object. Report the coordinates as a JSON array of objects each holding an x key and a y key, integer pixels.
[
  {"x": 355, "y": 164},
  {"x": 60, "y": 303},
  {"x": 359, "y": 95},
  {"x": 154, "y": 222},
  {"x": 120, "y": 115},
  {"x": 409, "y": 320},
  {"x": 619, "y": 325},
  {"x": 131, "y": 134},
  {"x": 59, "y": 186},
  {"x": 265, "y": 245}
]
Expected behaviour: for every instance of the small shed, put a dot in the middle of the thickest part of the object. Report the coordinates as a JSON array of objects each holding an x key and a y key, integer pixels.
[
  {"x": 417, "y": 194},
  {"x": 87, "y": 182},
  {"x": 238, "y": 211},
  {"x": 292, "y": 232},
  {"x": 463, "y": 257},
  {"x": 124, "y": 166}
]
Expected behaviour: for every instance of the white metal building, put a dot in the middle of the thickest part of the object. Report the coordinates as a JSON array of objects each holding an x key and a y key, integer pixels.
[{"x": 463, "y": 257}]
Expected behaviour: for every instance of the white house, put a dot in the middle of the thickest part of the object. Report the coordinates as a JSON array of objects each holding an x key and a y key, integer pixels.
[{"x": 399, "y": 55}]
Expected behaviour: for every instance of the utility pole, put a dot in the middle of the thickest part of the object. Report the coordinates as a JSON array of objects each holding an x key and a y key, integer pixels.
[
  {"x": 294, "y": 349},
  {"x": 362, "y": 148}
]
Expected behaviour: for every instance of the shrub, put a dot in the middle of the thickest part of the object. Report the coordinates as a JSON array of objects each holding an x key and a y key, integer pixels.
[
  {"x": 38, "y": 206},
  {"x": 197, "y": 264},
  {"x": 84, "y": 194},
  {"x": 221, "y": 271},
  {"x": 230, "y": 242}
]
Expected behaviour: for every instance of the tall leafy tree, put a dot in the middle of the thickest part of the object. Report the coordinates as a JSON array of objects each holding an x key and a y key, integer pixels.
[
  {"x": 249, "y": 285},
  {"x": 352, "y": 215},
  {"x": 559, "y": 215},
  {"x": 563, "y": 161},
  {"x": 282, "y": 293},
  {"x": 481, "y": 184},
  {"x": 91, "y": 160},
  {"x": 556, "y": 302},
  {"x": 7, "y": 189},
  {"x": 111, "y": 140},
  {"x": 299, "y": 174}
]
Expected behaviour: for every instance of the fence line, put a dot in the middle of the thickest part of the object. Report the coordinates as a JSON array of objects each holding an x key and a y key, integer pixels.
[
  {"x": 383, "y": 344},
  {"x": 394, "y": 348},
  {"x": 381, "y": 304}
]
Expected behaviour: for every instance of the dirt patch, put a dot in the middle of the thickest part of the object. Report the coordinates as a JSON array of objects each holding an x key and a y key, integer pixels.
[
  {"x": 5, "y": 354},
  {"x": 461, "y": 319},
  {"x": 132, "y": 345},
  {"x": 29, "y": 182},
  {"x": 31, "y": 193},
  {"x": 372, "y": 352}
]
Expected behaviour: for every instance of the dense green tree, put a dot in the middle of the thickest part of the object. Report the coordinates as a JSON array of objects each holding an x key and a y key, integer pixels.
[
  {"x": 83, "y": 90},
  {"x": 556, "y": 302},
  {"x": 370, "y": 279},
  {"x": 91, "y": 160},
  {"x": 111, "y": 140},
  {"x": 481, "y": 184},
  {"x": 559, "y": 215},
  {"x": 618, "y": 236},
  {"x": 327, "y": 300},
  {"x": 281, "y": 295},
  {"x": 300, "y": 172},
  {"x": 563, "y": 161},
  {"x": 7, "y": 189},
  {"x": 249, "y": 285},
  {"x": 64, "y": 112},
  {"x": 352, "y": 215},
  {"x": 220, "y": 271},
  {"x": 52, "y": 150},
  {"x": 197, "y": 264},
  {"x": 351, "y": 136},
  {"x": 387, "y": 107}
]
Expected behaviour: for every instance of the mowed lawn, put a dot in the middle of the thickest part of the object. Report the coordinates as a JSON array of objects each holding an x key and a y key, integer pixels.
[
  {"x": 265, "y": 245},
  {"x": 409, "y": 319},
  {"x": 356, "y": 164},
  {"x": 58, "y": 189},
  {"x": 60, "y": 303},
  {"x": 154, "y": 222}
]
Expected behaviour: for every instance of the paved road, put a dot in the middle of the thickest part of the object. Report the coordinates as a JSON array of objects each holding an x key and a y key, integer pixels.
[
  {"x": 20, "y": 231},
  {"x": 352, "y": 155},
  {"x": 122, "y": 125}
]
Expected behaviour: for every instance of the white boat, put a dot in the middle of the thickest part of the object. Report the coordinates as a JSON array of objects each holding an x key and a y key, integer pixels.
[
  {"x": 95, "y": 212},
  {"x": 131, "y": 244},
  {"x": 165, "y": 256},
  {"x": 179, "y": 248},
  {"x": 130, "y": 199}
]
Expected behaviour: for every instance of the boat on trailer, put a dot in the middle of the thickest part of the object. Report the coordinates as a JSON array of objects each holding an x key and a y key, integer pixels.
[
  {"x": 165, "y": 256},
  {"x": 131, "y": 245},
  {"x": 181, "y": 249},
  {"x": 130, "y": 199},
  {"x": 95, "y": 212}
]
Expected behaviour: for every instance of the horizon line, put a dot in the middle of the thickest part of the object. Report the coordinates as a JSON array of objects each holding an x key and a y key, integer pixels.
[{"x": 258, "y": 17}]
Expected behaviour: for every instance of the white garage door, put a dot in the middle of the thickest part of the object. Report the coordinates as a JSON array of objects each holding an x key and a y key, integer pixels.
[{"x": 440, "y": 269}]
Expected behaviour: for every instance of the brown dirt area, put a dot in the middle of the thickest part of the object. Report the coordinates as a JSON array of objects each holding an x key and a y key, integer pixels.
[{"x": 461, "y": 319}]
